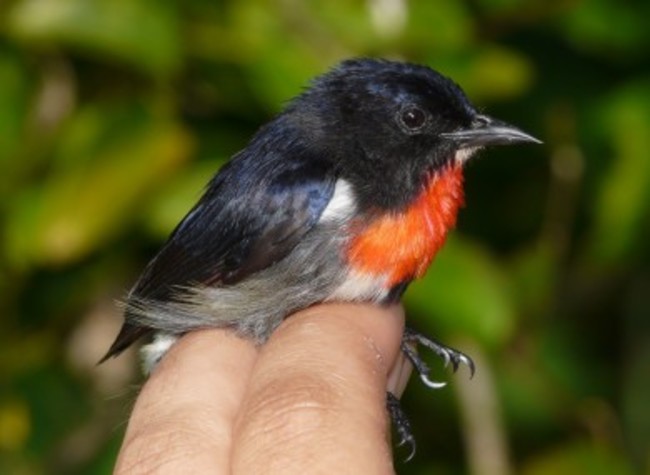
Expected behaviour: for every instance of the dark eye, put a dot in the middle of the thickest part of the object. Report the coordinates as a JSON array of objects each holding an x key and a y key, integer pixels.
[{"x": 413, "y": 118}]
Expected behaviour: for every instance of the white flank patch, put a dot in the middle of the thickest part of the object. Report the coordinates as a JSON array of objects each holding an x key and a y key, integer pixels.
[
  {"x": 152, "y": 353},
  {"x": 360, "y": 286},
  {"x": 465, "y": 154},
  {"x": 341, "y": 205}
]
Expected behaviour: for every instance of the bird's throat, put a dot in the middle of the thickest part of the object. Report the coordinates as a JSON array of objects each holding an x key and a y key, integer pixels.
[{"x": 402, "y": 245}]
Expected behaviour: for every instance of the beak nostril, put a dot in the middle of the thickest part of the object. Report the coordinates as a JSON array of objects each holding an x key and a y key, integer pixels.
[{"x": 480, "y": 121}]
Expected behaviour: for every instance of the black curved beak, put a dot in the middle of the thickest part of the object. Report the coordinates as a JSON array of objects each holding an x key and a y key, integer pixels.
[{"x": 486, "y": 131}]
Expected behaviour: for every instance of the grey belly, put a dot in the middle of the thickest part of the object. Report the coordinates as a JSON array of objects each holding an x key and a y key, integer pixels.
[{"x": 255, "y": 306}]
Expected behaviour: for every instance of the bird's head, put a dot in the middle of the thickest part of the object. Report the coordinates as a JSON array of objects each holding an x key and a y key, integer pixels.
[{"x": 395, "y": 123}]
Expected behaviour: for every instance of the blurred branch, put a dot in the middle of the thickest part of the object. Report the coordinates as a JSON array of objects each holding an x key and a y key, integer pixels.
[{"x": 483, "y": 432}]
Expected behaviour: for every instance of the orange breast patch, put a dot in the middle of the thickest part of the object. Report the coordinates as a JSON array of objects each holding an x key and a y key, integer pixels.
[{"x": 403, "y": 245}]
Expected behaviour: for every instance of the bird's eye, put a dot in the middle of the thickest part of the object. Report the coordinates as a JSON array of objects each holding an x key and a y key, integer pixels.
[{"x": 412, "y": 118}]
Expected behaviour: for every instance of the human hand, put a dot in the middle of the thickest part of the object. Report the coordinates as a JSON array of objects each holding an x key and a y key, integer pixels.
[{"x": 311, "y": 400}]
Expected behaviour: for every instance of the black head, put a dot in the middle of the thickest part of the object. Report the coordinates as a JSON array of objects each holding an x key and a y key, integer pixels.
[{"x": 389, "y": 125}]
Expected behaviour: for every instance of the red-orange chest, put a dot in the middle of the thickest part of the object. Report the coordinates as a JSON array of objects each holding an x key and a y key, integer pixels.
[{"x": 402, "y": 245}]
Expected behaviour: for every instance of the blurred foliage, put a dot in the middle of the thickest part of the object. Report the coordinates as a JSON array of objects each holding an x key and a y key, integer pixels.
[{"x": 114, "y": 113}]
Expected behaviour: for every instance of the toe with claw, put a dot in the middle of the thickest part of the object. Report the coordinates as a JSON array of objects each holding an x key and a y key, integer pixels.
[
  {"x": 401, "y": 424},
  {"x": 451, "y": 356}
]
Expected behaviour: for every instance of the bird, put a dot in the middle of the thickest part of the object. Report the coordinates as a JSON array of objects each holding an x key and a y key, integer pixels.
[{"x": 346, "y": 195}]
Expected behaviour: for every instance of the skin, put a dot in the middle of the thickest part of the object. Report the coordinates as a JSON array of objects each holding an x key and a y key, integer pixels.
[{"x": 311, "y": 400}]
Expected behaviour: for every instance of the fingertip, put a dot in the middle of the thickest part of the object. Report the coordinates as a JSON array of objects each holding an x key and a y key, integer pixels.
[
  {"x": 399, "y": 375},
  {"x": 186, "y": 409},
  {"x": 318, "y": 392}
]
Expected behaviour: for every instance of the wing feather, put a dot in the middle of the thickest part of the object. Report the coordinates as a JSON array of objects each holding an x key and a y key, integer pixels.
[{"x": 253, "y": 213}]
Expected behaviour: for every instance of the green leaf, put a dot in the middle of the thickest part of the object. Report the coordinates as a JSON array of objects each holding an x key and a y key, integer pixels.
[
  {"x": 103, "y": 171},
  {"x": 438, "y": 25},
  {"x": 15, "y": 87},
  {"x": 143, "y": 33},
  {"x": 623, "y": 201},
  {"x": 579, "y": 457},
  {"x": 608, "y": 27},
  {"x": 488, "y": 72}
]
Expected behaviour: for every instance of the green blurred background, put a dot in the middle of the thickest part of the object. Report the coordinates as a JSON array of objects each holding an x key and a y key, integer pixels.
[{"x": 114, "y": 114}]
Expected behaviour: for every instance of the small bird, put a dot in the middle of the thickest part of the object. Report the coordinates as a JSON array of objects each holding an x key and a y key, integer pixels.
[{"x": 347, "y": 195}]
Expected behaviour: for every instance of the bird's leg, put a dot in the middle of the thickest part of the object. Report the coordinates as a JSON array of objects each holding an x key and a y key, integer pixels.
[
  {"x": 411, "y": 339},
  {"x": 401, "y": 424}
]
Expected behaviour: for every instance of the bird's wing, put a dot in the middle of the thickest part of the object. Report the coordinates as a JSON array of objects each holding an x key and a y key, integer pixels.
[{"x": 251, "y": 216}]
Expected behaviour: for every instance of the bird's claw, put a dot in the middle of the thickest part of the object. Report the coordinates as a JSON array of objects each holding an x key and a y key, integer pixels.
[
  {"x": 430, "y": 383},
  {"x": 410, "y": 340},
  {"x": 401, "y": 424},
  {"x": 449, "y": 355}
]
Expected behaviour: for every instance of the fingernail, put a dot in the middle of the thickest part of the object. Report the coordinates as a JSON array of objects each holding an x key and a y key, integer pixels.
[{"x": 399, "y": 375}]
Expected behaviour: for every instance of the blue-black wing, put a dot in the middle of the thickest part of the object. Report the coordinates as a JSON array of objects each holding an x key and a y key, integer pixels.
[{"x": 253, "y": 213}]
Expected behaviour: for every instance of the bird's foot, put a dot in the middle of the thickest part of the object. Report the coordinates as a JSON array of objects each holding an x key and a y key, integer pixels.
[
  {"x": 411, "y": 339},
  {"x": 401, "y": 424}
]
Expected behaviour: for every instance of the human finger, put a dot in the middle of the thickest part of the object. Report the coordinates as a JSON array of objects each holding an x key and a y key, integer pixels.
[
  {"x": 182, "y": 420},
  {"x": 316, "y": 402}
]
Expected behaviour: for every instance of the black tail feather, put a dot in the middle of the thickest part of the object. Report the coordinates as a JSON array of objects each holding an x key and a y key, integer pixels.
[{"x": 126, "y": 337}]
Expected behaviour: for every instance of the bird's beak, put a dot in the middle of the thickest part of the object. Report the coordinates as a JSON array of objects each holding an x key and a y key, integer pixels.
[{"x": 486, "y": 131}]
